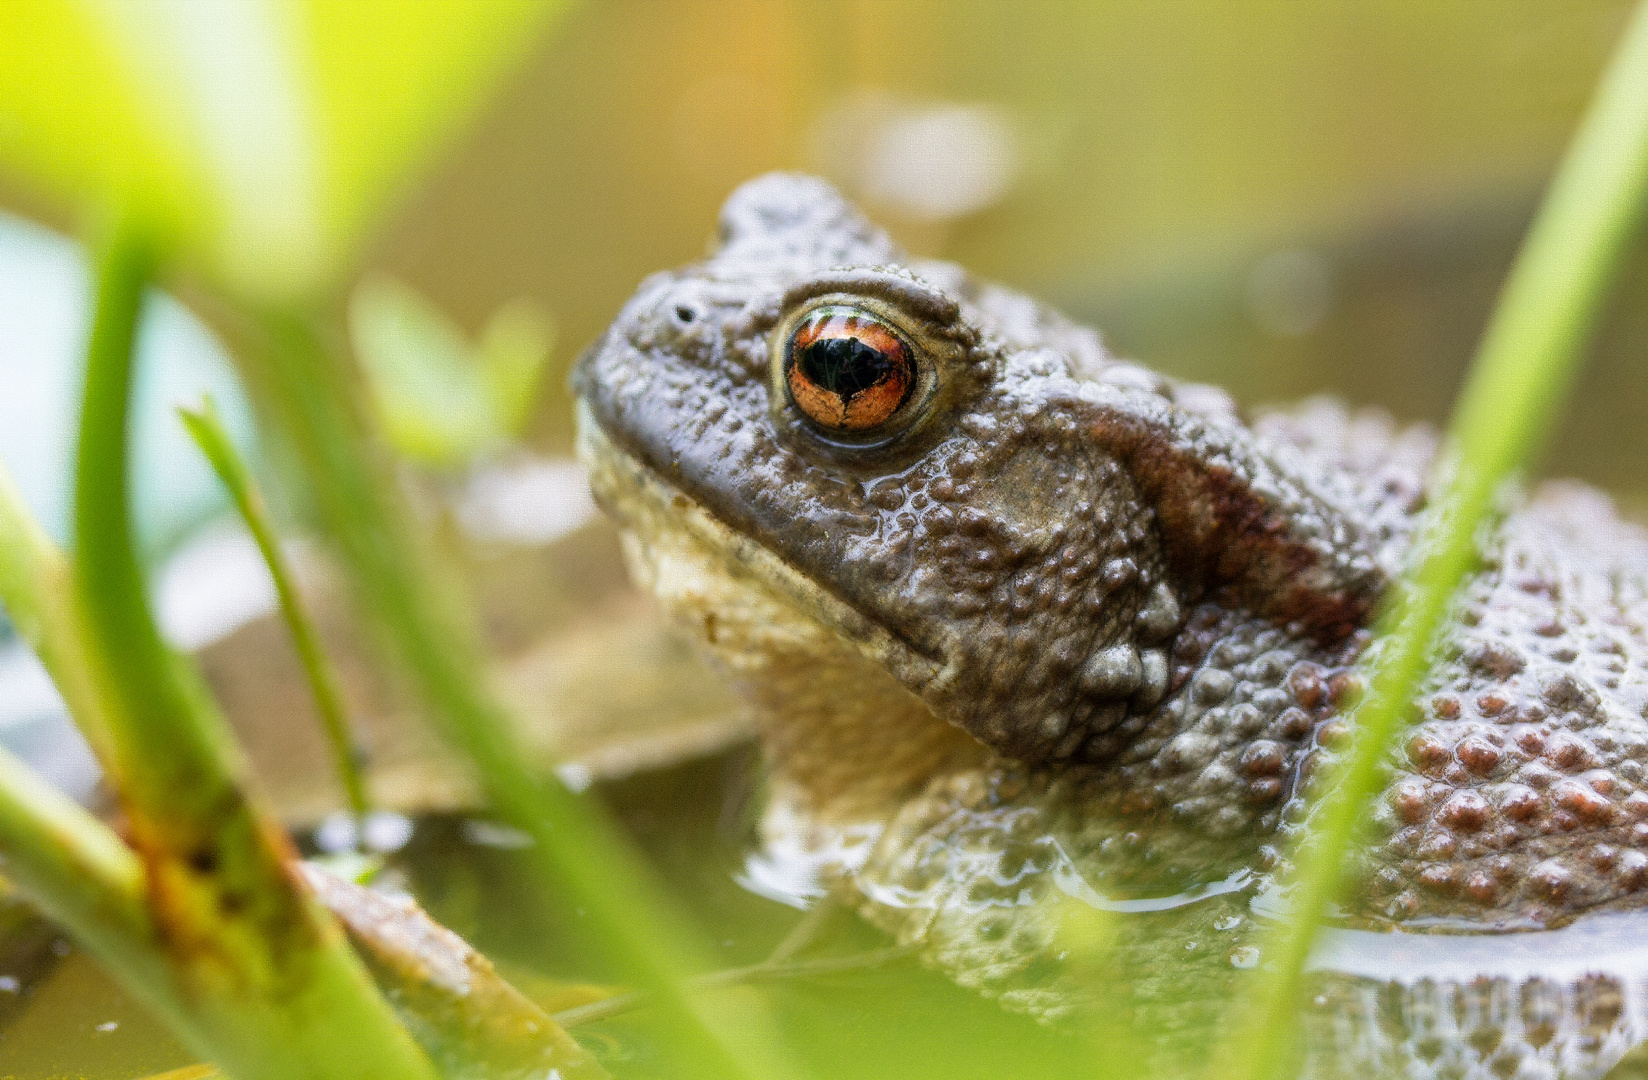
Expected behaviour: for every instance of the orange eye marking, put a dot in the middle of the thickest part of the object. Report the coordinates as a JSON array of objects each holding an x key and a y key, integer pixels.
[{"x": 848, "y": 370}]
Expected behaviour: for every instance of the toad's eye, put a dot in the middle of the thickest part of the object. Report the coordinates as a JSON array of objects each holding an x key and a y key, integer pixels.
[{"x": 847, "y": 370}]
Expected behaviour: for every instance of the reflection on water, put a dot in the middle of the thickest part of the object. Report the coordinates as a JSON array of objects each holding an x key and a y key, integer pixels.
[
  {"x": 1566, "y": 1002},
  {"x": 1074, "y": 885},
  {"x": 1610, "y": 942},
  {"x": 1479, "y": 1027},
  {"x": 793, "y": 867}
]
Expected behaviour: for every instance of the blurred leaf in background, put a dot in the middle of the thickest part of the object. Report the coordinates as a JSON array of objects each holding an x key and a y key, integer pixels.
[
  {"x": 44, "y": 317},
  {"x": 261, "y": 136},
  {"x": 443, "y": 401}
]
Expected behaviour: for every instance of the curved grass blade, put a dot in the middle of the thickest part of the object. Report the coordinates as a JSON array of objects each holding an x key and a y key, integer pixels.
[
  {"x": 79, "y": 874},
  {"x": 1526, "y": 363},
  {"x": 208, "y": 433}
]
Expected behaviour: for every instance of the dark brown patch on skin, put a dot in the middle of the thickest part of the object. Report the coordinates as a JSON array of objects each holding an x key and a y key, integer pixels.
[{"x": 1217, "y": 532}]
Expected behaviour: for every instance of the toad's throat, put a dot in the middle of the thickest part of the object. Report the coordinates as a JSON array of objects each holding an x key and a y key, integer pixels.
[{"x": 629, "y": 487}]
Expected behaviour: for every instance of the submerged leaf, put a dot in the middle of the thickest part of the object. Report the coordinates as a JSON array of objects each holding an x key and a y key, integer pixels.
[{"x": 466, "y": 1015}]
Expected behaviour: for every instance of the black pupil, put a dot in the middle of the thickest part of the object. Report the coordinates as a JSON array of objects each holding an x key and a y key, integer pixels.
[{"x": 843, "y": 365}]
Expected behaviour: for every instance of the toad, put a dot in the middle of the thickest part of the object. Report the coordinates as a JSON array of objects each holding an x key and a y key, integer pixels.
[{"x": 1023, "y": 620}]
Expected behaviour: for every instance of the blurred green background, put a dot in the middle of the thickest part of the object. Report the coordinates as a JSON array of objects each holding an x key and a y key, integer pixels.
[{"x": 1284, "y": 197}]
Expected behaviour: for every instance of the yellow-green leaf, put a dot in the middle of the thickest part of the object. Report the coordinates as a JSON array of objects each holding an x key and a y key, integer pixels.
[
  {"x": 261, "y": 136},
  {"x": 513, "y": 350},
  {"x": 71, "y": 122},
  {"x": 442, "y": 401}
]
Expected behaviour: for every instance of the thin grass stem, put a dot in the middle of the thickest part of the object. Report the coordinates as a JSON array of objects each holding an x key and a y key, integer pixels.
[
  {"x": 207, "y": 431},
  {"x": 807, "y": 930},
  {"x": 1528, "y": 359}
]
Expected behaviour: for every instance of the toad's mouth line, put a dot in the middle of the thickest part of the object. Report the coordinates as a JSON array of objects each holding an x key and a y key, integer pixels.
[{"x": 610, "y": 465}]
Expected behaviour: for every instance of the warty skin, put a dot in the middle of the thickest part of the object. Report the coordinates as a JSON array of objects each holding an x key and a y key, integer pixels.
[{"x": 1067, "y": 616}]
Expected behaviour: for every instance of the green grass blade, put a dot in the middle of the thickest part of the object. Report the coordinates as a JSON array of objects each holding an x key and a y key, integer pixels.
[
  {"x": 71, "y": 866},
  {"x": 311, "y": 395},
  {"x": 68, "y": 863},
  {"x": 1526, "y": 363},
  {"x": 37, "y": 590},
  {"x": 270, "y": 987},
  {"x": 76, "y": 871},
  {"x": 207, "y": 431},
  {"x": 33, "y": 573}
]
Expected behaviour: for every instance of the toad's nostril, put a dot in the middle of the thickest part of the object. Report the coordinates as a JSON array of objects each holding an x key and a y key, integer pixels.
[{"x": 684, "y": 314}]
